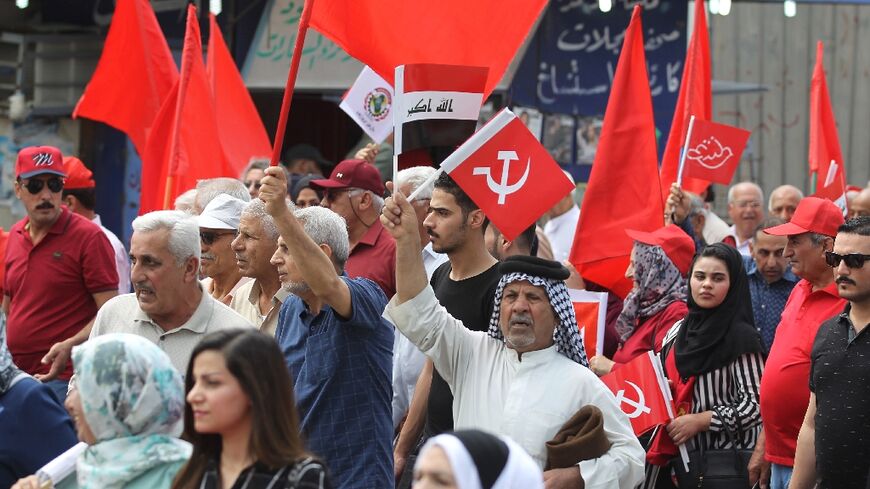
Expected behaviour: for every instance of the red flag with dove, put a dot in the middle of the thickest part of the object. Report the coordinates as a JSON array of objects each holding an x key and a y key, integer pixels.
[{"x": 713, "y": 151}]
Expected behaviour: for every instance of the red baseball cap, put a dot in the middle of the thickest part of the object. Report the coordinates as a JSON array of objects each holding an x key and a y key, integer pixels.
[
  {"x": 36, "y": 160},
  {"x": 677, "y": 245},
  {"x": 813, "y": 215},
  {"x": 78, "y": 174},
  {"x": 353, "y": 173}
]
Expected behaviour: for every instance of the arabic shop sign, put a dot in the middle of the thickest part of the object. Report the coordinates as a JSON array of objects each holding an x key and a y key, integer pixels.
[
  {"x": 569, "y": 66},
  {"x": 323, "y": 66}
]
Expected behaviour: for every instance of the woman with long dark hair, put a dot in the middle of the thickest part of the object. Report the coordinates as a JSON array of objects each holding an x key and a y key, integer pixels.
[
  {"x": 241, "y": 418},
  {"x": 713, "y": 360}
]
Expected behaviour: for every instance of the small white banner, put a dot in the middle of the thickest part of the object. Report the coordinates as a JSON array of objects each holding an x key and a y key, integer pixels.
[{"x": 369, "y": 102}]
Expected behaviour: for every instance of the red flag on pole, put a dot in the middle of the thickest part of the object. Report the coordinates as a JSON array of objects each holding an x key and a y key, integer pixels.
[
  {"x": 713, "y": 151},
  {"x": 590, "y": 309},
  {"x": 695, "y": 98},
  {"x": 505, "y": 170},
  {"x": 479, "y": 33},
  {"x": 134, "y": 75},
  {"x": 239, "y": 124},
  {"x": 825, "y": 155},
  {"x": 624, "y": 190},
  {"x": 640, "y": 390},
  {"x": 184, "y": 145}
]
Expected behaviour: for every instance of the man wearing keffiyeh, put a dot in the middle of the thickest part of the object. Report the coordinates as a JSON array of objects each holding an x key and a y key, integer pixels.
[{"x": 524, "y": 378}]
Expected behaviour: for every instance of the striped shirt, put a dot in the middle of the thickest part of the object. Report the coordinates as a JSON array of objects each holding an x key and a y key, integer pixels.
[{"x": 731, "y": 393}]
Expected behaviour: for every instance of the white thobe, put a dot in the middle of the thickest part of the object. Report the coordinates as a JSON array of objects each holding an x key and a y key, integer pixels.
[
  {"x": 527, "y": 399},
  {"x": 560, "y": 231},
  {"x": 715, "y": 229},
  {"x": 408, "y": 360}
]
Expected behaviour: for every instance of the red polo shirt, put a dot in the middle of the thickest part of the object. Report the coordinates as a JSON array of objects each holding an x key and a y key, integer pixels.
[
  {"x": 50, "y": 285},
  {"x": 374, "y": 257},
  {"x": 785, "y": 391}
]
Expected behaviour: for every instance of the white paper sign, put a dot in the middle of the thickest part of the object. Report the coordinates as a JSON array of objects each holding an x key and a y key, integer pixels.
[{"x": 369, "y": 102}]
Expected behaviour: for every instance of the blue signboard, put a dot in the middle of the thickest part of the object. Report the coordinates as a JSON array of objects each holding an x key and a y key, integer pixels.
[{"x": 570, "y": 64}]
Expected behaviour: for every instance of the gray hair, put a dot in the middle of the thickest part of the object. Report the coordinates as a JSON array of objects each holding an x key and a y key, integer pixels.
[
  {"x": 745, "y": 184},
  {"x": 256, "y": 163},
  {"x": 186, "y": 202},
  {"x": 818, "y": 239},
  {"x": 781, "y": 188},
  {"x": 414, "y": 177},
  {"x": 183, "y": 232},
  {"x": 207, "y": 190},
  {"x": 324, "y": 226},
  {"x": 257, "y": 209},
  {"x": 696, "y": 205},
  {"x": 377, "y": 200}
]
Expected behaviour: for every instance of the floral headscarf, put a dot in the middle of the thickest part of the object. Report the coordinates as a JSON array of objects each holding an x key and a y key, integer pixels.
[
  {"x": 658, "y": 283},
  {"x": 133, "y": 400}
]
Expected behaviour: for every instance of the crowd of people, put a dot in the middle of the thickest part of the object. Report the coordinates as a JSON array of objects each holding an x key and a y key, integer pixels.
[{"x": 289, "y": 329}]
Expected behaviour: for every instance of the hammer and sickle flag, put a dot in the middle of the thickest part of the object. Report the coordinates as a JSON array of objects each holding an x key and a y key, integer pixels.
[
  {"x": 641, "y": 392},
  {"x": 508, "y": 174}
]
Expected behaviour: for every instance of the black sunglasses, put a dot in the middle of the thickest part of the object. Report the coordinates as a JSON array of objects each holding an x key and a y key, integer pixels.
[
  {"x": 853, "y": 260},
  {"x": 34, "y": 186},
  {"x": 209, "y": 237}
]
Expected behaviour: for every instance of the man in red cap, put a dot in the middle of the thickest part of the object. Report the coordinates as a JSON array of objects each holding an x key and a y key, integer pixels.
[
  {"x": 59, "y": 271},
  {"x": 354, "y": 191},
  {"x": 784, "y": 386},
  {"x": 80, "y": 195}
]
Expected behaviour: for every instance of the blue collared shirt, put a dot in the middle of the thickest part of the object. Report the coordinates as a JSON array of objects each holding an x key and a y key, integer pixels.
[
  {"x": 342, "y": 373},
  {"x": 768, "y": 300}
]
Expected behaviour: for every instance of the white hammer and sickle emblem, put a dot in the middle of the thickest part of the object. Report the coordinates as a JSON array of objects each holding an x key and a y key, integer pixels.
[
  {"x": 639, "y": 406},
  {"x": 502, "y": 188}
]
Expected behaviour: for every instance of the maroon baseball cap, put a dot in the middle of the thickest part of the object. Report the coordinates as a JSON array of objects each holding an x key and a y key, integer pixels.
[
  {"x": 352, "y": 173},
  {"x": 813, "y": 215},
  {"x": 677, "y": 245},
  {"x": 36, "y": 160}
]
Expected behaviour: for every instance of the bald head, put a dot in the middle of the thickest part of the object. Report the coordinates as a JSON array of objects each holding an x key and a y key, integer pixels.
[
  {"x": 860, "y": 204},
  {"x": 783, "y": 201},
  {"x": 745, "y": 208}
]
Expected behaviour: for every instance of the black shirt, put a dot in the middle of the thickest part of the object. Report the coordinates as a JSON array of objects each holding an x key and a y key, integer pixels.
[
  {"x": 470, "y": 301},
  {"x": 840, "y": 379}
]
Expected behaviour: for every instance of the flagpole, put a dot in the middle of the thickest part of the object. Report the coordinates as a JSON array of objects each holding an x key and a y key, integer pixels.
[
  {"x": 184, "y": 78},
  {"x": 291, "y": 81},
  {"x": 685, "y": 150},
  {"x": 429, "y": 181}
]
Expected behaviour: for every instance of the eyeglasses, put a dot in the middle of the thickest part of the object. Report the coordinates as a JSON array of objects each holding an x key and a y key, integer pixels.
[
  {"x": 209, "y": 237},
  {"x": 743, "y": 204},
  {"x": 853, "y": 260},
  {"x": 34, "y": 186}
]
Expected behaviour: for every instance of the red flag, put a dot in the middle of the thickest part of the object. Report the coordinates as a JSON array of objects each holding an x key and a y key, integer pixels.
[
  {"x": 184, "y": 145},
  {"x": 825, "y": 155},
  {"x": 714, "y": 151},
  {"x": 624, "y": 190},
  {"x": 590, "y": 309},
  {"x": 639, "y": 387},
  {"x": 135, "y": 74},
  {"x": 387, "y": 33},
  {"x": 505, "y": 170},
  {"x": 239, "y": 124},
  {"x": 695, "y": 98}
]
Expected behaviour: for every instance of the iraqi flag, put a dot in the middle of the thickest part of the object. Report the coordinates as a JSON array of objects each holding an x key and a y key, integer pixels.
[
  {"x": 436, "y": 109},
  {"x": 369, "y": 102},
  {"x": 508, "y": 174},
  {"x": 641, "y": 392}
]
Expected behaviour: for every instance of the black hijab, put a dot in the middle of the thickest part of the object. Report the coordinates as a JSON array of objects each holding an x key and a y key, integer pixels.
[{"x": 712, "y": 338}]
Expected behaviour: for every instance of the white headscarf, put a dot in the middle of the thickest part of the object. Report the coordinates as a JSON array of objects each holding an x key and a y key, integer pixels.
[{"x": 476, "y": 455}]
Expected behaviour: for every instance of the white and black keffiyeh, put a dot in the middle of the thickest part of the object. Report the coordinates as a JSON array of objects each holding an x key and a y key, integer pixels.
[{"x": 566, "y": 335}]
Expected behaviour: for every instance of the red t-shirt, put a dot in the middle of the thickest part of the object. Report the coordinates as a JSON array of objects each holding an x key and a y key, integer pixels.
[
  {"x": 650, "y": 333},
  {"x": 785, "y": 391},
  {"x": 50, "y": 285},
  {"x": 374, "y": 258}
]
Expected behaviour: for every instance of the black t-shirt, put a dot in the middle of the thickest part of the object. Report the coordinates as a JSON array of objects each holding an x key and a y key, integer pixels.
[
  {"x": 840, "y": 378},
  {"x": 470, "y": 301}
]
